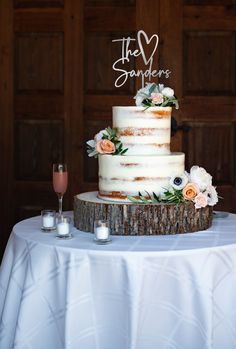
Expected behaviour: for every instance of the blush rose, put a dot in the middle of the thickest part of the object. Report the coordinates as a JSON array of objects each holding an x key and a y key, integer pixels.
[
  {"x": 200, "y": 200},
  {"x": 157, "y": 98}
]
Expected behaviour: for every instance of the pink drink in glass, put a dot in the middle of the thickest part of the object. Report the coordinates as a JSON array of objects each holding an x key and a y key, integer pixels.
[{"x": 60, "y": 181}]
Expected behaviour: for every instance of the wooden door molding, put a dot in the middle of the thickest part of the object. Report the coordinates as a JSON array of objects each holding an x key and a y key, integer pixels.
[
  {"x": 6, "y": 117},
  {"x": 73, "y": 102}
]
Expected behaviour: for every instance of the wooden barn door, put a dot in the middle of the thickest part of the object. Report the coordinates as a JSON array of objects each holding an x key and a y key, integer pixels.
[
  {"x": 104, "y": 22},
  {"x": 41, "y": 82},
  {"x": 199, "y": 46},
  {"x": 57, "y": 89},
  {"x": 197, "y": 43}
]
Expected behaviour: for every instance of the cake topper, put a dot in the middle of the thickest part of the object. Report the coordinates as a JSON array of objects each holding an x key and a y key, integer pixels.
[{"x": 126, "y": 54}]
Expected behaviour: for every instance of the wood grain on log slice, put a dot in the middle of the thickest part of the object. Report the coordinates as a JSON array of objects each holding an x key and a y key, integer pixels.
[{"x": 140, "y": 219}]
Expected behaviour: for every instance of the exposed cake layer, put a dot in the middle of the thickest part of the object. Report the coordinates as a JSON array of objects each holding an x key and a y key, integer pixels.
[
  {"x": 120, "y": 176},
  {"x": 143, "y": 132}
]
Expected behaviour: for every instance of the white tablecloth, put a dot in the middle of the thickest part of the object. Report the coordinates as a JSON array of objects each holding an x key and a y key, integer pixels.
[{"x": 160, "y": 292}]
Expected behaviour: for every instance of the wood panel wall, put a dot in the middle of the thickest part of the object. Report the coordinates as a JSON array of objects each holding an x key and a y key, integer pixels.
[
  {"x": 6, "y": 116},
  {"x": 57, "y": 89},
  {"x": 209, "y": 88},
  {"x": 40, "y": 100}
]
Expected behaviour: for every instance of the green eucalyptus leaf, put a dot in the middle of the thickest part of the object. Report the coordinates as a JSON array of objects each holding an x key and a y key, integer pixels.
[
  {"x": 155, "y": 197},
  {"x": 123, "y": 151},
  {"x": 152, "y": 88},
  {"x": 149, "y": 196},
  {"x": 133, "y": 199}
]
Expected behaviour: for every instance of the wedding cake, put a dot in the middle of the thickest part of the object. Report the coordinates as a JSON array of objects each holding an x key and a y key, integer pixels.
[
  {"x": 147, "y": 165},
  {"x": 143, "y": 186}
]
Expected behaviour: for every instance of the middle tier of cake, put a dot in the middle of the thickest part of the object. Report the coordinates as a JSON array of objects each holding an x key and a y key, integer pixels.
[{"x": 123, "y": 176}]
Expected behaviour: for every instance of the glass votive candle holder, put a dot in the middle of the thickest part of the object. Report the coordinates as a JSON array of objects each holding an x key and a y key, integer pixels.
[
  {"x": 64, "y": 227},
  {"x": 48, "y": 220},
  {"x": 101, "y": 231}
]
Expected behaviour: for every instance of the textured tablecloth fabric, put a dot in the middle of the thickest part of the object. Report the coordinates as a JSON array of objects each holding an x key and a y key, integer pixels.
[{"x": 151, "y": 292}]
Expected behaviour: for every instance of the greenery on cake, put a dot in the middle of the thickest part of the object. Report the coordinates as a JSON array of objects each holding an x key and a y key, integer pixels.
[
  {"x": 195, "y": 186},
  {"x": 105, "y": 142},
  {"x": 156, "y": 95}
]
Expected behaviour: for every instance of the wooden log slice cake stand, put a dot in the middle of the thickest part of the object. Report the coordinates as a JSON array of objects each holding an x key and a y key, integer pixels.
[{"x": 140, "y": 219}]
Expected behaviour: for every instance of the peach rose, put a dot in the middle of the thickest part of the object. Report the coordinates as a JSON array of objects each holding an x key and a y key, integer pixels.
[
  {"x": 190, "y": 191},
  {"x": 105, "y": 146},
  {"x": 200, "y": 200}
]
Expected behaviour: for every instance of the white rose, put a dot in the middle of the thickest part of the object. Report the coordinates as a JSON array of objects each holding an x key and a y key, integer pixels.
[
  {"x": 168, "y": 92},
  {"x": 212, "y": 196},
  {"x": 199, "y": 176}
]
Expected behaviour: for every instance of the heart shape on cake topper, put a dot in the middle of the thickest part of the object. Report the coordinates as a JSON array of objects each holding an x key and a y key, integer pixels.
[{"x": 143, "y": 39}]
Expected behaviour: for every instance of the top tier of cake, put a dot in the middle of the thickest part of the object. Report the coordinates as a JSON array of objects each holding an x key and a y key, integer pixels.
[{"x": 143, "y": 132}]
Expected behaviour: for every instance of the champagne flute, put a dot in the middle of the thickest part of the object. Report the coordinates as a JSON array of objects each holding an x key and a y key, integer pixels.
[{"x": 60, "y": 181}]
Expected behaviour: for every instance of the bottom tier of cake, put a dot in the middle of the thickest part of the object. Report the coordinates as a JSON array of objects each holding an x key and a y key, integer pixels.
[
  {"x": 140, "y": 219},
  {"x": 121, "y": 176}
]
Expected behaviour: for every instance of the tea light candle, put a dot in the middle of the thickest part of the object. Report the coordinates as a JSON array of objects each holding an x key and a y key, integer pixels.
[
  {"x": 63, "y": 228},
  {"x": 48, "y": 221},
  {"x": 102, "y": 233}
]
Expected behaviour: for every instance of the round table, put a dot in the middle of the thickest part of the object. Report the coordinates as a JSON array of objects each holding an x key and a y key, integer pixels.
[{"x": 145, "y": 292}]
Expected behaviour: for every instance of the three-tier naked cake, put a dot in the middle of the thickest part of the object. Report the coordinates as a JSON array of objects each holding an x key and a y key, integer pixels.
[
  {"x": 143, "y": 187},
  {"x": 147, "y": 165}
]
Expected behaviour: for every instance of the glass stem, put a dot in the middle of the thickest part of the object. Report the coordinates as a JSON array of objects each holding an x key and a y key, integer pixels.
[{"x": 60, "y": 198}]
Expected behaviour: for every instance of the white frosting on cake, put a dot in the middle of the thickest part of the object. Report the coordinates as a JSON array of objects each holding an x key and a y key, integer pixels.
[
  {"x": 143, "y": 132},
  {"x": 148, "y": 165},
  {"x": 120, "y": 176}
]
